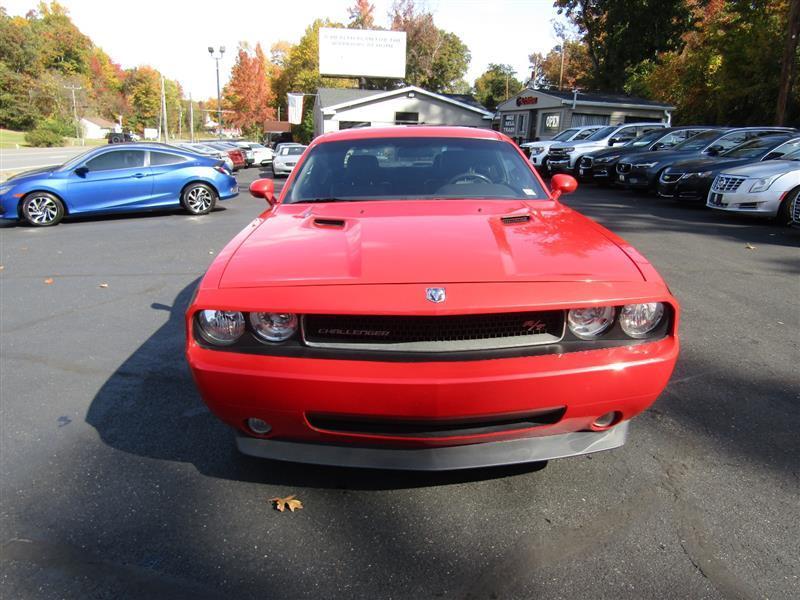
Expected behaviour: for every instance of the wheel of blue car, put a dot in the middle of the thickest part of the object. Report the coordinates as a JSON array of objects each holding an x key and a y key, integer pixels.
[
  {"x": 199, "y": 199},
  {"x": 41, "y": 209}
]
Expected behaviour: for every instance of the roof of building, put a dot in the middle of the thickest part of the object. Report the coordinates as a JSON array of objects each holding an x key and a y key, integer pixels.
[
  {"x": 337, "y": 97},
  {"x": 100, "y": 122},
  {"x": 597, "y": 98}
]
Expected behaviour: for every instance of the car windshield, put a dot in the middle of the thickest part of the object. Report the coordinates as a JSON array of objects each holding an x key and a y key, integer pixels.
[
  {"x": 646, "y": 139},
  {"x": 76, "y": 161},
  {"x": 751, "y": 148},
  {"x": 414, "y": 168},
  {"x": 582, "y": 135},
  {"x": 292, "y": 150},
  {"x": 698, "y": 142},
  {"x": 786, "y": 150},
  {"x": 565, "y": 135},
  {"x": 792, "y": 155},
  {"x": 601, "y": 134}
]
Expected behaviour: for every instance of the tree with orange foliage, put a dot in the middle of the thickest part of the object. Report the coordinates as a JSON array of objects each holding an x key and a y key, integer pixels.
[{"x": 248, "y": 95}]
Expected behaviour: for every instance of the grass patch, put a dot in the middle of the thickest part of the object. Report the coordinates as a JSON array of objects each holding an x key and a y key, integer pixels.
[{"x": 10, "y": 139}]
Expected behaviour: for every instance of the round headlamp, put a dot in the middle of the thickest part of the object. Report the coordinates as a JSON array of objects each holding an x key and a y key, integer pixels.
[
  {"x": 638, "y": 320},
  {"x": 274, "y": 327},
  {"x": 220, "y": 327},
  {"x": 588, "y": 323}
]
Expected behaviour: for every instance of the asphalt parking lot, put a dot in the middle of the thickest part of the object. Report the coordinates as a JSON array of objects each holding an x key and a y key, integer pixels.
[{"x": 117, "y": 482}]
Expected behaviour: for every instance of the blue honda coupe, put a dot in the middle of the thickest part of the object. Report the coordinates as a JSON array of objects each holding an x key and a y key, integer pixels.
[{"x": 115, "y": 179}]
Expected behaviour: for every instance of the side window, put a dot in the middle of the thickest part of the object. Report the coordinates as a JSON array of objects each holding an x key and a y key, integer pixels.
[
  {"x": 628, "y": 133},
  {"x": 162, "y": 158},
  {"x": 117, "y": 159}
]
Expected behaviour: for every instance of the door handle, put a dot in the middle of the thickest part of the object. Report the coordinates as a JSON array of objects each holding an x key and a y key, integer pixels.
[{"x": 139, "y": 175}]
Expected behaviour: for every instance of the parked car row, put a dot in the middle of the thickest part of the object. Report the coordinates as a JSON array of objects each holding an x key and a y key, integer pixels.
[{"x": 745, "y": 169}]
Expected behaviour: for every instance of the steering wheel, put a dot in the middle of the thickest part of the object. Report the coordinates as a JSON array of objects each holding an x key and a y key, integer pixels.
[{"x": 469, "y": 176}]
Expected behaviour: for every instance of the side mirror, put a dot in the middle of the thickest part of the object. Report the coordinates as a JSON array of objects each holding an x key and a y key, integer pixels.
[
  {"x": 658, "y": 146},
  {"x": 562, "y": 184},
  {"x": 714, "y": 150},
  {"x": 81, "y": 171},
  {"x": 263, "y": 188},
  {"x": 613, "y": 141}
]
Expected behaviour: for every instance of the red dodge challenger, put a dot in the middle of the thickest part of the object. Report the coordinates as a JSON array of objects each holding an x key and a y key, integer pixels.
[{"x": 418, "y": 299}]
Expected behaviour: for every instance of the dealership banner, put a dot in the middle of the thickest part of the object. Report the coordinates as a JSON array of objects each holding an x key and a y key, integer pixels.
[{"x": 295, "y": 108}]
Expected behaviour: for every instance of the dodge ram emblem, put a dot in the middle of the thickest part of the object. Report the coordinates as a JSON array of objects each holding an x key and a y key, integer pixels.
[{"x": 435, "y": 295}]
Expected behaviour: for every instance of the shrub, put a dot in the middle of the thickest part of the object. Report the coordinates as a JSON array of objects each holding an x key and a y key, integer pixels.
[{"x": 42, "y": 137}]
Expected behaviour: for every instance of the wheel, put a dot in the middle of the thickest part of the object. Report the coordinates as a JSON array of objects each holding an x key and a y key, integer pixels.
[
  {"x": 41, "y": 209},
  {"x": 199, "y": 199},
  {"x": 784, "y": 216},
  {"x": 274, "y": 174}
]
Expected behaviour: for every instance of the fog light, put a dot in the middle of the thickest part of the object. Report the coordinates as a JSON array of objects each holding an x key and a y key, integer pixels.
[
  {"x": 258, "y": 426},
  {"x": 606, "y": 420}
]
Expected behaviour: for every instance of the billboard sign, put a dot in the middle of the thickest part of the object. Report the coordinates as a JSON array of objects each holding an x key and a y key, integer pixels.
[{"x": 362, "y": 53}]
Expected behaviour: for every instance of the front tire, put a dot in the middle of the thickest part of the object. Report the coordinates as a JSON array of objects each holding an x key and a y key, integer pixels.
[
  {"x": 784, "y": 216},
  {"x": 41, "y": 209},
  {"x": 199, "y": 199}
]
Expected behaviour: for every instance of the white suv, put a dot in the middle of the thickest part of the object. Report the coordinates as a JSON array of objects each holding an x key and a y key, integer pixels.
[
  {"x": 540, "y": 149},
  {"x": 564, "y": 156}
]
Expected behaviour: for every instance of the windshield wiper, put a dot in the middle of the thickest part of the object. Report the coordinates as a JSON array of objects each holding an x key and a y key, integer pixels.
[{"x": 319, "y": 200}]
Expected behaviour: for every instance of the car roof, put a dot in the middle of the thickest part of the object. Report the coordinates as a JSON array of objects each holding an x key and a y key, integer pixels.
[{"x": 409, "y": 131}]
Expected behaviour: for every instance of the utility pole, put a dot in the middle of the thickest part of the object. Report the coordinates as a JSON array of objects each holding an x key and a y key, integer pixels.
[
  {"x": 72, "y": 88},
  {"x": 788, "y": 63},
  {"x": 563, "y": 53},
  {"x": 219, "y": 96},
  {"x": 164, "y": 111},
  {"x": 180, "y": 118},
  {"x": 191, "y": 118}
]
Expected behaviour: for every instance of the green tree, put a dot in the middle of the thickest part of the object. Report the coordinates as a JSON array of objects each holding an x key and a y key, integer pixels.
[
  {"x": 143, "y": 92},
  {"x": 61, "y": 44},
  {"x": 436, "y": 60},
  {"x": 496, "y": 84},
  {"x": 620, "y": 34}
]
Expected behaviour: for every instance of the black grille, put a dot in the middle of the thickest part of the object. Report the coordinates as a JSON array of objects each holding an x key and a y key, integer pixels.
[
  {"x": 520, "y": 328},
  {"x": 671, "y": 177},
  {"x": 434, "y": 427}
]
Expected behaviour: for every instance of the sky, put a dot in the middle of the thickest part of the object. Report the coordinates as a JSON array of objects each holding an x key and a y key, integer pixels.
[{"x": 173, "y": 35}]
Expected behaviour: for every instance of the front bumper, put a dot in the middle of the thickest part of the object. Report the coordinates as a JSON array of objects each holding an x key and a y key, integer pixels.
[
  {"x": 635, "y": 179},
  {"x": 559, "y": 165},
  {"x": 284, "y": 391},
  {"x": 765, "y": 204},
  {"x": 693, "y": 189},
  {"x": 442, "y": 458}
]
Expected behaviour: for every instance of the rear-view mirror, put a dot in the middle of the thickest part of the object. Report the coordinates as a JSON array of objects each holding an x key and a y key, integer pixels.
[{"x": 263, "y": 188}]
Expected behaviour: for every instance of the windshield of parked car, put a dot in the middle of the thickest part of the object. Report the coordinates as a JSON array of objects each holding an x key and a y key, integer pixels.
[
  {"x": 645, "y": 140},
  {"x": 414, "y": 168},
  {"x": 698, "y": 142},
  {"x": 792, "y": 155},
  {"x": 292, "y": 150},
  {"x": 601, "y": 134},
  {"x": 751, "y": 148},
  {"x": 565, "y": 135},
  {"x": 785, "y": 150}
]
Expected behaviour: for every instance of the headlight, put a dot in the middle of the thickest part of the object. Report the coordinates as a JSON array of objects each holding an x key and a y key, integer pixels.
[
  {"x": 588, "y": 323},
  {"x": 569, "y": 149},
  {"x": 762, "y": 185},
  {"x": 605, "y": 159},
  {"x": 5, "y": 189},
  {"x": 274, "y": 327},
  {"x": 649, "y": 165},
  {"x": 706, "y": 174},
  {"x": 536, "y": 149},
  {"x": 220, "y": 327},
  {"x": 637, "y": 320}
]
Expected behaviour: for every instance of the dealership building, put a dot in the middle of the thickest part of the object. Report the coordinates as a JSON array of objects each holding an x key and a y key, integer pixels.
[
  {"x": 341, "y": 108},
  {"x": 540, "y": 114}
]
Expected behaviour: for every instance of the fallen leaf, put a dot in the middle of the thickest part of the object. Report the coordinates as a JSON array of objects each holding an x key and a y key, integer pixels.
[
  {"x": 210, "y": 252},
  {"x": 289, "y": 502},
  {"x": 48, "y": 281},
  {"x": 749, "y": 246},
  {"x": 1, "y": 267},
  {"x": 103, "y": 285}
]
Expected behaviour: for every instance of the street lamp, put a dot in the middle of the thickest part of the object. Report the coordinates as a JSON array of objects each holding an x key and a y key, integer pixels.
[{"x": 219, "y": 98}]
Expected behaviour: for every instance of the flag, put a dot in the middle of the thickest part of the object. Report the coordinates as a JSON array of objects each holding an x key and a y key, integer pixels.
[{"x": 295, "y": 108}]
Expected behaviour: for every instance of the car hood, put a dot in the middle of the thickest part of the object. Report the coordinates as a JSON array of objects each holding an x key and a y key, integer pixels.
[
  {"x": 581, "y": 144},
  {"x": 766, "y": 168},
  {"x": 698, "y": 165},
  {"x": 657, "y": 155},
  {"x": 425, "y": 242},
  {"x": 35, "y": 173}
]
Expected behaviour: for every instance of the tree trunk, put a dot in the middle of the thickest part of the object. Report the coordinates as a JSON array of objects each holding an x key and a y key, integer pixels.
[{"x": 788, "y": 64}]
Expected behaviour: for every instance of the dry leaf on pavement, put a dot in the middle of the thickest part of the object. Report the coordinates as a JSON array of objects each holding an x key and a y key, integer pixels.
[
  {"x": 1, "y": 267},
  {"x": 749, "y": 246},
  {"x": 103, "y": 285},
  {"x": 289, "y": 502},
  {"x": 48, "y": 281}
]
